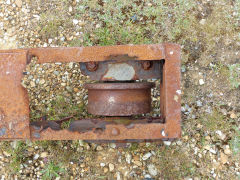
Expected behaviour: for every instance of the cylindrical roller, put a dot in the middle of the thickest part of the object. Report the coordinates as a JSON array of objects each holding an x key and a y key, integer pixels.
[{"x": 119, "y": 99}]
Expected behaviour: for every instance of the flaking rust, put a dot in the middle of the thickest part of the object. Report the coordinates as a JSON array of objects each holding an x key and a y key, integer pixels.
[{"x": 160, "y": 61}]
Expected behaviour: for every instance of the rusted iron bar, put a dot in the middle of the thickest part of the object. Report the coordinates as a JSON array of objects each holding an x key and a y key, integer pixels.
[{"x": 14, "y": 105}]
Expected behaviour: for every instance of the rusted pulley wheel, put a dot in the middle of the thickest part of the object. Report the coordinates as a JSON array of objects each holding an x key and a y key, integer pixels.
[{"x": 119, "y": 99}]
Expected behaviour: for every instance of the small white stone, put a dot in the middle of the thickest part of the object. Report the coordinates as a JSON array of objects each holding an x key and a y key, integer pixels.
[
  {"x": 152, "y": 170},
  {"x": 171, "y": 52},
  {"x": 146, "y": 156},
  {"x": 99, "y": 148},
  {"x": 128, "y": 158},
  {"x": 147, "y": 176},
  {"x": 113, "y": 145},
  {"x": 70, "y": 9},
  {"x": 50, "y": 41},
  {"x": 202, "y": 21},
  {"x": 75, "y": 21},
  {"x": 111, "y": 167},
  {"x": 118, "y": 176},
  {"x": 5, "y": 153},
  {"x": 36, "y": 156},
  {"x": 201, "y": 81},
  {"x": 70, "y": 65},
  {"x": 220, "y": 135},
  {"x": 227, "y": 150},
  {"x": 42, "y": 81},
  {"x": 44, "y": 155},
  {"x": 102, "y": 164},
  {"x": 167, "y": 143},
  {"x": 98, "y": 26},
  {"x": 8, "y": 2},
  {"x": 212, "y": 151},
  {"x": 207, "y": 147}
]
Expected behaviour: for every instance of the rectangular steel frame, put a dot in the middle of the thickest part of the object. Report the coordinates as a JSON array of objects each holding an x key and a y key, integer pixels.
[{"x": 14, "y": 103}]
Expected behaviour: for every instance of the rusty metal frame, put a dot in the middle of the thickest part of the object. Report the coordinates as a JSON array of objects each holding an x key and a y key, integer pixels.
[{"x": 14, "y": 105}]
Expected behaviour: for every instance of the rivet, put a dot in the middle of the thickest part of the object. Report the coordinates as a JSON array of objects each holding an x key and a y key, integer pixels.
[
  {"x": 91, "y": 66},
  {"x": 146, "y": 65}
]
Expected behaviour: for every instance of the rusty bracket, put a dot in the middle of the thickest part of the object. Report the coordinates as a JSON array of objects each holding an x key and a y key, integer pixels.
[{"x": 14, "y": 104}]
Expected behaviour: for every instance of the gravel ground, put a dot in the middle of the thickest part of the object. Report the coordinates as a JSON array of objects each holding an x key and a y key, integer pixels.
[{"x": 208, "y": 32}]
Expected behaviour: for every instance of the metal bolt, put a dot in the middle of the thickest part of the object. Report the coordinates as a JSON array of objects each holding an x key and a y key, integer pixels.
[
  {"x": 146, "y": 65},
  {"x": 115, "y": 131},
  {"x": 92, "y": 66}
]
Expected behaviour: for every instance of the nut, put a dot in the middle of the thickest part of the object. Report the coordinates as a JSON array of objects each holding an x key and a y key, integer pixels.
[
  {"x": 92, "y": 66},
  {"x": 146, "y": 65}
]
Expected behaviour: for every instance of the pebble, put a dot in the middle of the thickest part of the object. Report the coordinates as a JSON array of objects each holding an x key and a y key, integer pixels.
[
  {"x": 199, "y": 103},
  {"x": 75, "y": 21},
  {"x": 167, "y": 143},
  {"x": 152, "y": 170},
  {"x": 50, "y": 41},
  {"x": 18, "y": 3},
  {"x": 32, "y": 84},
  {"x": 42, "y": 81},
  {"x": 201, "y": 81},
  {"x": 212, "y": 151},
  {"x": 102, "y": 164},
  {"x": 202, "y": 21},
  {"x": 99, "y": 148},
  {"x": 227, "y": 150},
  {"x": 138, "y": 163},
  {"x": 113, "y": 145},
  {"x": 43, "y": 154},
  {"x": 36, "y": 156},
  {"x": 105, "y": 169},
  {"x": 147, "y": 176},
  {"x": 128, "y": 157},
  {"x": 63, "y": 84},
  {"x": 118, "y": 174},
  {"x": 111, "y": 167},
  {"x": 207, "y": 147},
  {"x": 220, "y": 135},
  {"x": 146, "y": 156},
  {"x": 224, "y": 158},
  {"x": 233, "y": 116}
]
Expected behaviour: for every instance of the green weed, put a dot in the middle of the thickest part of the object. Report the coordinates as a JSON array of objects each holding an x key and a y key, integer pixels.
[
  {"x": 18, "y": 156},
  {"x": 234, "y": 75},
  {"x": 235, "y": 143},
  {"x": 52, "y": 170},
  {"x": 174, "y": 163},
  {"x": 215, "y": 121}
]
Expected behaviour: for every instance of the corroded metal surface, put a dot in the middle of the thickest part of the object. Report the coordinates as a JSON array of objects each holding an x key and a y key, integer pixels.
[
  {"x": 119, "y": 99},
  {"x": 124, "y": 70},
  {"x": 14, "y": 107},
  {"x": 106, "y": 129},
  {"x": 14, "y": 110},
  {"x": 99, "y": 53}
]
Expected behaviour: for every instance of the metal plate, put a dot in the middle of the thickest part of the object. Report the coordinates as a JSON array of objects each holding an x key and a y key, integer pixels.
[{"x": 122, "y": 71}]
